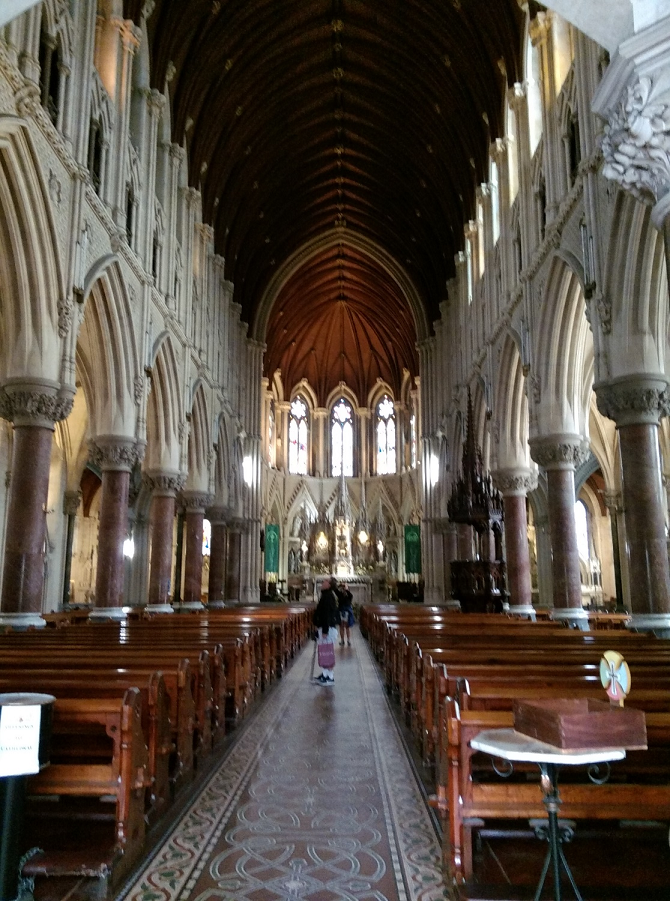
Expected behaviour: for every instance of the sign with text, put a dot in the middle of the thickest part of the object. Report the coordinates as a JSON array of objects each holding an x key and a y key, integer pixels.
[{"x": 19, "y": 739}]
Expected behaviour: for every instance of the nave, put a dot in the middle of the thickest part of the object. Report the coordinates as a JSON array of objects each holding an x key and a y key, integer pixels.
[{"x": 317, "y": 799}]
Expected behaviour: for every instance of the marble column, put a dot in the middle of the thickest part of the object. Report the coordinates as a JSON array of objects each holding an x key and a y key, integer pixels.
[
  {"x": 115, "y": 456},
  {"x": 560, "y": 455},
  {"x": 194, "y": 503},
  {"x": 514, "y": 486},
  {"x": 164, "y": 487},
  {"x": 71, "y": 501},
  {"x": 636, "y": 403},
  {"x": 33, "y": 407},
  {"x": 217, "y": 558},
  {"x": 233, "y": 564}
]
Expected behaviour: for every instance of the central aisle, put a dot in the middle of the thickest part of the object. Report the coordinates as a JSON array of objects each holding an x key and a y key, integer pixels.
[{"x": 316, "y": 800}]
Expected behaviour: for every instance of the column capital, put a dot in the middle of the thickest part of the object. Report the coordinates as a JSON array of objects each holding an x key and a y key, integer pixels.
[
  {"x": 71, "y": 501},
  {"x": 217, "y": 515},
  {"x": 559, "y": 451},
  {"x": 612, "y": 500},
  {"x": 115, "y": 453},
  {"x": 511, "y": 482},
  {"x": 35, "y": 402},
  {"x": 634, "y": 400},
  {"x": 195, "y": 501},
  {"x": 164, "y": 484}
]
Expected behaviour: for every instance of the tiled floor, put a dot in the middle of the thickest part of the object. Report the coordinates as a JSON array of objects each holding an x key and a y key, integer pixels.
[{"x": 315, "y": 801}]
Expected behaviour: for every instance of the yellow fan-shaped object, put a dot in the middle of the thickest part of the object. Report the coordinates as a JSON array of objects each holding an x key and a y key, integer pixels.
[{"x": 615, "y": 676}]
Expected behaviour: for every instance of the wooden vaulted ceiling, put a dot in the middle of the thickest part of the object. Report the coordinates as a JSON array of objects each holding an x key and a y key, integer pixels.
[{"x": 359, "y": 118}]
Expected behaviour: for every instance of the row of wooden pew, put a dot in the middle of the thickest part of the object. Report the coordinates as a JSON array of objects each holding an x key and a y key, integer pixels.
[
  {"x": 456, "y": 675},
  {"x": 141, "y": 708}
]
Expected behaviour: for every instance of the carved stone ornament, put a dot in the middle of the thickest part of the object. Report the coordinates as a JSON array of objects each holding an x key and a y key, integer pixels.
[
  {"x": 34, "y": 405},
  {"x": 634, "y": 400},
  {"x": 636, "y": 141},
  {"x": 514, "y": 481},
  {"x": 65, "y": 309},
  {"x": 165, "y": 484},
  {"x": 560, "y": 451},
  {"x": 110, "y": 453},
  {"x": 71, "y": 501},
  {"x": 195, "y": 501},
  {"x": 138, "y": 389}
]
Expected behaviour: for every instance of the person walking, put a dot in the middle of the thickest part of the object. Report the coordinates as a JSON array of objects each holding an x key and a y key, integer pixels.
[
  {"x": 327, "y": 618},
  {"x": 345, "y": 600}
]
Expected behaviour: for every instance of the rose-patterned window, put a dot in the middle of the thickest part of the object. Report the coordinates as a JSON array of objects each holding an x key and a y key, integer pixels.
[
  {"x": 342, "y": 438},
  {"x": 297, "y": 437},
  {"x": 385, "y": 421}
]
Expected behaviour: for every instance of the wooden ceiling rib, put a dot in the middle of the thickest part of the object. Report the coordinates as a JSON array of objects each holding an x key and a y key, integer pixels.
[{"x": 364, "y": 117}]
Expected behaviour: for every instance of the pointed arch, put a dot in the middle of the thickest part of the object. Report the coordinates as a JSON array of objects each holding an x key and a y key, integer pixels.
[
  {"x": 106, "y": 355},
  {"x": 199, "y": 442},
  {"x": 511, "y": 409},
  {"x": 563, "y": 349},
  {"x": 31, "y": 275},
  {"x": 165, "y": 420}
]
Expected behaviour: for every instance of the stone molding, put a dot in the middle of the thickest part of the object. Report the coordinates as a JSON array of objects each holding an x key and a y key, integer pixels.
[
  {"x": 164, "y": 484},
  {"x": 36, "y": 403},
  {"x": 559, "y": 451},
  {"x": 658, "y": 623},
  {"x": 634, "y": 400},
  {"x": 71, "y": 501},
  {"x": 514, "y": 481},
  {"x": 195, "y": 501},
  {"x": 115, "y": 454},
  {"x": 636, "y": 140}
]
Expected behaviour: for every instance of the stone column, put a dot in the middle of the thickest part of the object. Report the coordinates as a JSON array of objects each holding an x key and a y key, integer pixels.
[
  {"x": 194, "y": 503},
  {"x": 71, "y": 501},
  {"x": 217, "y": 558},
  {"x": 33, "y": 407},
  {"x": 560, "y": 455},
  {"x": 636, "y": 403},
  {"x": 115, "y": 456},
  {"x": 612, "y": 500},
  {"x": 233, "y": 563},
  {"x": 164, "y": 487},
  {"x": 514, "y": 485}
]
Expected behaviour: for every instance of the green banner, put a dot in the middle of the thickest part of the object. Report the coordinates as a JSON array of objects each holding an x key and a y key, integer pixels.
[
  {"x": 272, "y": 549},
  {"x": 413, "y": 549}
]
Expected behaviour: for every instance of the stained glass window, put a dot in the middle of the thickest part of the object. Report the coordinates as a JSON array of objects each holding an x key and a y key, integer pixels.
[
  {"x": 342, "y": 438},
  {"x": 412, "y": 428},
  {"x": 297, "y": 437},
  {"x": 271, "y": 434},
  {"x": 385, "y": 436}
]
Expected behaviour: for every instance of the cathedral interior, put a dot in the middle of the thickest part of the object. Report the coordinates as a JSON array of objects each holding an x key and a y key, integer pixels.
[{"x": 372, "y": 289}]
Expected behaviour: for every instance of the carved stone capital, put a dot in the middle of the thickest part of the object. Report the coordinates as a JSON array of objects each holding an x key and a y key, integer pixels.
[
  {"x": 634, "y": 400},
  {"x": 636, "y": 140},
  {"x": 511, "y": 482},
  {"x": 559, "y": 451},
  {"x": 111, "y": 453},
  {"x": 164, "y": 484},
  {"x": 612, "y": 500},
  {"x": 71, "y": 501},
  {"x": 39, "y": 403},
  {"x": 195, "y": 501},
  {"x": 218, "y": 516}
]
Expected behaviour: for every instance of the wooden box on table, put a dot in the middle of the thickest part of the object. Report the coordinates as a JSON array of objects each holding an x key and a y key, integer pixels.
[{"x": 581, "y": 723}]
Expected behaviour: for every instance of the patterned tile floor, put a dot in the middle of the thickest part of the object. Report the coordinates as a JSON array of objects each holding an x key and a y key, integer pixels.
[{"x": 315, "y": 801}]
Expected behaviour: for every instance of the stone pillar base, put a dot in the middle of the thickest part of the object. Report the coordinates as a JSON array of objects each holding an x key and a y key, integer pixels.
[
  {"x": 524, "y": 611},
  {"x": 103, "y": 614},
  {"x": 454, "y": 605},
  {"x": 575, "y": 617},
  {"x": 22, "y": 621},
  {"x": 216, "y": 605},
  {"x": 159, "y": 608},
  {"x": 189, "y": 606},
  {"x": 658, "y": 623}
]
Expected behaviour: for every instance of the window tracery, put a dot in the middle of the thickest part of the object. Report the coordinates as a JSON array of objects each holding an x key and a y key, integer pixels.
[
  {"x": 386, "y": 436},
  {"x": 297, "y": 437},
  {"x": 342, "y": 438}
]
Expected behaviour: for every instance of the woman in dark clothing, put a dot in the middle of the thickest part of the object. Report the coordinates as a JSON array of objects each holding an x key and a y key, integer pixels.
[
  {"x": 345, "y": 601},
  {"x": 327, "y": 618}
]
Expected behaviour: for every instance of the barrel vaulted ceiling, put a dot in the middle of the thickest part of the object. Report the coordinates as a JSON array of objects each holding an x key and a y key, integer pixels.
[{"x": 338, "y": 134}]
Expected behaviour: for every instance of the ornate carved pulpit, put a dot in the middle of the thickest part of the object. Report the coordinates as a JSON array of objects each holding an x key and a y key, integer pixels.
[{"x": 479, "y": 584}]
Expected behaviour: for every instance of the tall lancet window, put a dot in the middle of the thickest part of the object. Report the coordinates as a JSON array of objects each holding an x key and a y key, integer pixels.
[
  {"x": 342, "y": 443},
  {"x": 385, "y": 436},
  {"x": 297, "y": 437}
]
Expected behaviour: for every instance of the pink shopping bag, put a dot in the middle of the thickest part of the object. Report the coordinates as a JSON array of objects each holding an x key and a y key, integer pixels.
[{"x": 326, "y": 653}]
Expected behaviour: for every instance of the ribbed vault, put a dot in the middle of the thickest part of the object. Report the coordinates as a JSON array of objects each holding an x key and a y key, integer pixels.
[{"x": 365, "y": 117}]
